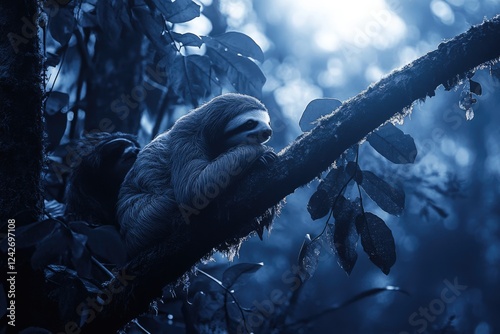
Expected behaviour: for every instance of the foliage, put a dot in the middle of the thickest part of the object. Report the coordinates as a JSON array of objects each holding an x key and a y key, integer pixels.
[{"x": 183, "y": 68}]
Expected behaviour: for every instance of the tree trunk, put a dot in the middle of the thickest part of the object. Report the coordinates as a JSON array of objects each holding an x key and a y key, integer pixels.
[
  {"x": 142, "y": 279},
  {"x": 21, "y": 127}
]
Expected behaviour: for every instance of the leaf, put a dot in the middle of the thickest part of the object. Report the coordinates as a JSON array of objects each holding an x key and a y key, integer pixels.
[
  {"x": 345, "y": 236},
  {"x": 475, "y": 87},
  {"x": 243, "y": 74},
  {"x": 377, "y": 241},
  {"x": 154, "y": 27},
  {"x": 393, "y": 144},
  {"x": 319, "y": 204},
  {"x": 178, "y": 11},
  {"x": 108, "y": 18},
  {"x": 190, "y": 77},
  {"x": 308, "y": 258},
  {"x": 103, "y": 241},
  {"x": 56, "y": 102},
  {"x": 62, "y": 246},
  {"x": 316, "y": 109},
  {"x": 387, "y": 197},
  {"x": 233, "y": 273},
  {"x": 322, "y": 200},
  {"x": 62, "y": 25},
  {"x": 187, "y": 39},
  {"x": 241, "y": 44}
]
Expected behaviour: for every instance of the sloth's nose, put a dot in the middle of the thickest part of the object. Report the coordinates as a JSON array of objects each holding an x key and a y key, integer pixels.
[{"x": 266, "y": 134}]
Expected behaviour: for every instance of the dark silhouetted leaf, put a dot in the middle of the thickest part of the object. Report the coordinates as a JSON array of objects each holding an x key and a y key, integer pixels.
[
  {"x": 316, "y": 109},
  {"x": 345, "y": 236},
  {"x": 188, "y": 39},
  {"x": 62, "y": 25},
  {"x": 104, "y": 242},
  {"x": 387, "y": 197},
  {"x": 240, "y": 44},
  {"x": 377, "y": 241},
  {"x": 393, "y": 144},
  {"x": 108, "y": 18},
  {"x": 56, "y": 102},
  {"x": 475, "y": 87},
  {"x": 233, "y": 273},
  {"x": 63, "y": 246},
  {"x": 322, "y": 200},
  {"x": 243, "y": 74},
  {"x": 178, "y": 11},
  {"x": 319, "y": 204},
  {"x": 154, "y": 27},
  {"x": 308, "y": 258}
]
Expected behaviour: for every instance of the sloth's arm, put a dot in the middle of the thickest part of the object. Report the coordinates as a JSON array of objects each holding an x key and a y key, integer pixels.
[{"x": 199, "y": 182}]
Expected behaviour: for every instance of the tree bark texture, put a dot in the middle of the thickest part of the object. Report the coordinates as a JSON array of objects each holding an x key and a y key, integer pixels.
[{"x": 21, "y": 127}]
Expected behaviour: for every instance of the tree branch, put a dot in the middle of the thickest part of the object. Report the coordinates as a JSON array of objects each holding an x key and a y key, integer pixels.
[{"x": 297, "y": 165}]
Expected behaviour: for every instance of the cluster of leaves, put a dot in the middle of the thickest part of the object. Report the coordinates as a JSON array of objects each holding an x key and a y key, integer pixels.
[
  {"x": 351, "y": 219},
  {"x": 74, "y": 258},
  {"x": 190, "y": 76}
]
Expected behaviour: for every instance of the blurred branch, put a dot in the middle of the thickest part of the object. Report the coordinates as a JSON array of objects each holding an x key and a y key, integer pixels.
[{"x": 296, "y": 165}]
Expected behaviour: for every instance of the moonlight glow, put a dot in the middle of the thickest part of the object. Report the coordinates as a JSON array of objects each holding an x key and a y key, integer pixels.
[{"x": 360, "y": 23}]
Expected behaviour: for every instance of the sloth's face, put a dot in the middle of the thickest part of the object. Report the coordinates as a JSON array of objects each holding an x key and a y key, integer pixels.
[{"x": 253, "y": 127}]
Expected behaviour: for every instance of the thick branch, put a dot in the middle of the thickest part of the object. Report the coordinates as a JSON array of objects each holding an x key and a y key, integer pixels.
[{"x": 300, "y": 163}]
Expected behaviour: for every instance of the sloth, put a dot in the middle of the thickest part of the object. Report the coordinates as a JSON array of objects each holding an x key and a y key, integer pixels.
[
  {"x": 92, "y": 189},
  {"x": 186, "y": 168}
]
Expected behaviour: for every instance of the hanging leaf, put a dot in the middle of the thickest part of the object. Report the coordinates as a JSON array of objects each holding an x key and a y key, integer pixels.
[
  {"x": 475, "y": 87},
  {"x": 345, "y": 236},
  {"x": 393, "y": 144},
  {"x": 377, "y": 241},
  {"x": 233, "y": 273},
  {"x": 190, "y": 77},
  {"x": 243, "y": 74},
  {"x": 308, "y": 258},
  {"x": 387, "y": 197},
  {"x": 178, "y": 11},
  {"x": 316, "y": 109},
  {"x": 319, "y": 204},
  {"x": 104, "y": 242},
  {"x": 322, "y": 200},
  {"x": 187, "y": 39},
  {"x": 240, "y": 44}
]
